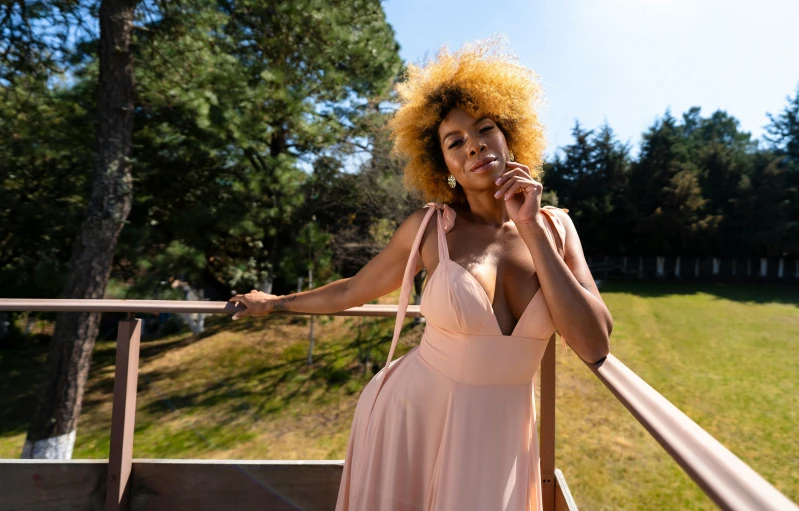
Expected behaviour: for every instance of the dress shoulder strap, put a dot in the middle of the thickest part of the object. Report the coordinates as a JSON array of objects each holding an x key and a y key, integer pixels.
[
  {"x": 405, "y": 294},
  {"x": 555, "y": 227},
  {"x": 410, "y": 271}
]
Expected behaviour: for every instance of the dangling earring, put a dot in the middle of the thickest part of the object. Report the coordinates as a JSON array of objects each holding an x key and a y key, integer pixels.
[
  {"x": 511, "y": 157},
  {"x": 451, "y": 181}
]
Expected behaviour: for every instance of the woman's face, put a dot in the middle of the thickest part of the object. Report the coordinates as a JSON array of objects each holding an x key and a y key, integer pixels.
[{"x": 474, "y": 149}]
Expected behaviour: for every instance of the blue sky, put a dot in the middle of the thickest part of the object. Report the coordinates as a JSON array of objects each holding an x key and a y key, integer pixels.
[{"x": 627, "y": 61}]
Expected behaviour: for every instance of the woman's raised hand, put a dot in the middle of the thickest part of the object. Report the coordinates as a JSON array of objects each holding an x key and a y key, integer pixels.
[
  {"x": 521, "y": 192},
  {"x": 257, "y": 303}
]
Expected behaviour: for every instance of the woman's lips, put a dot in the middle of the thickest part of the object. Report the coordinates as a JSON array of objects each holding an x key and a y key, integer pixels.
[{"x": 483, "y": 165}]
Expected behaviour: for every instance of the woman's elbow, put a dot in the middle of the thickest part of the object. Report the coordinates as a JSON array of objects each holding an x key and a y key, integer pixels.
[
  {"x": 600, "y": 344},
  {"x": 599, "y": 353},
  {"x": 603, "y": 344}
]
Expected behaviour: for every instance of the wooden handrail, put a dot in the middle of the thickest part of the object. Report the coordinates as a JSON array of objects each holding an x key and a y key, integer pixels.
[
  {"x": 724, "y": 477},
  {"x": 63, "y": 305}
]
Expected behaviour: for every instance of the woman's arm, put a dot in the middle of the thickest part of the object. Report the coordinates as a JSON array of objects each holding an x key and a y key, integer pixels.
[
  {"x": 378, "y": 277},
  {"x": 578, "y": 311}
]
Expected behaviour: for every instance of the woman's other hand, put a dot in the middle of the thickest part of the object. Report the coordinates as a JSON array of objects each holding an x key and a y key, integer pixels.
[
  {"x": 257, "y": 303},
  {"x": 521, "y": 192}
]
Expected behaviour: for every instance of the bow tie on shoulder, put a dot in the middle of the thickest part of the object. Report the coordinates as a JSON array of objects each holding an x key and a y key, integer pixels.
[{"x": 449, "y": 214}]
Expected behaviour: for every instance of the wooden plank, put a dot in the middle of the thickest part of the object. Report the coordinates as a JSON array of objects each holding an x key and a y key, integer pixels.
[
  {"x": 194, "y": 485},
  {"x": 123, "y": 416},
  {"x": 547, "y": 421},
  {"x": 563, "y": 497},
  {"x": 52, "y": 485},
  {"x": 71, "y": 305}
]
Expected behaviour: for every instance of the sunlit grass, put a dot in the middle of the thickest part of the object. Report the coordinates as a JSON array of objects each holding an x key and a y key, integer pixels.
[{"x": 725, "y": 356}]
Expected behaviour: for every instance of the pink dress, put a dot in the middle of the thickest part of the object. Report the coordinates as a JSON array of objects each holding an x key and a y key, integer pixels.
[{"x": 451, "y": 426}]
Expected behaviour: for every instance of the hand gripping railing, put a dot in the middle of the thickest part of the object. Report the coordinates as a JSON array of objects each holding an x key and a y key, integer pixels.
[{"x": 720, "y": 474}]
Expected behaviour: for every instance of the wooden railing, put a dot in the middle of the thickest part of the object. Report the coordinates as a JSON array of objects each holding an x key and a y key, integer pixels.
[{"x": 278, "y": 485}]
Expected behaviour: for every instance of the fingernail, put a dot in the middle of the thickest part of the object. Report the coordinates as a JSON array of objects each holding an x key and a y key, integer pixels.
[
  {"x": 507, "y": 196},
  {"x": 235, "y": 318},
  {"x": 496, "y": 195},
  {"x": 498, "y": 180}
]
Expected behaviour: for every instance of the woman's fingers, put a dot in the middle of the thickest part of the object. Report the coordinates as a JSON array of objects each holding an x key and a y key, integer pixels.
[
  {"x": 241, "y": 300},
  {"x": 520, "y": 185},
  {"x": 517, "y": 187},
  {"x": 513, "y": 181},
  {"x": 243, "y": 312},
  {"x": 521, "y": 168},
  {"x": 507, "y": 175}
]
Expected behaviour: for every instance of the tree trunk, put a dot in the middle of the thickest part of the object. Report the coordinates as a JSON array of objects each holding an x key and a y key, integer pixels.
[{"x": 52, "y": 432}]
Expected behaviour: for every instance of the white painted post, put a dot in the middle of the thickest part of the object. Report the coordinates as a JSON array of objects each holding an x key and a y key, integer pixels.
[
  {"x": 660, "y": 263},
  {"x": 195, "y": 320},
  {"x": 677, "y": 267},
  {"x": 716, "y": 264},
  {"x": 763, "y": 266},
  {"x": 781, "y": 268},
  {"x": 696, "y": 267}
]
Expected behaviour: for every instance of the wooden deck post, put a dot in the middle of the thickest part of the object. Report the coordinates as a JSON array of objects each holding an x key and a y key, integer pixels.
[
  {"x": 547, "y": 421},
  {"x": 123, "y": 415}
]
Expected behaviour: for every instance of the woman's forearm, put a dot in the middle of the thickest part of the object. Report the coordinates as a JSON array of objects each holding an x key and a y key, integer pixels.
[
  {"x": 332, "y": 297},
  {"x": 580, "y": 317}
]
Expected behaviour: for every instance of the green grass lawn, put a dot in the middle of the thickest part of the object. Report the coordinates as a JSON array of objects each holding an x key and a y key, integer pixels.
[{"x": 725, "y": 356}]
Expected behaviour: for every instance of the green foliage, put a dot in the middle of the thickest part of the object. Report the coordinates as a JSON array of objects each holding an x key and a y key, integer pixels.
[
  {"x": 235, "y": 103},
  {"x": 260, "y": 152},
  {"x": 699, "y": 186},
  {"x": 45, "y": 169}
]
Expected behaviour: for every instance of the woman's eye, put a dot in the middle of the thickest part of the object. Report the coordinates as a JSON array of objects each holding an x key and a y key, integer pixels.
[
  {"x": 486, "y": 128},
  {"x": 455, "y": 143}
]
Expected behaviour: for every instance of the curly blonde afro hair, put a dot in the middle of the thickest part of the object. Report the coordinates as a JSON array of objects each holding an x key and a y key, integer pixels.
[{"x": 483, "y": 79}]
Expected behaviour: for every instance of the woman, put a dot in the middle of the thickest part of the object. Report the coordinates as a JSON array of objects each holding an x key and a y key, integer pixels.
[{"x": 451, "y": 425}]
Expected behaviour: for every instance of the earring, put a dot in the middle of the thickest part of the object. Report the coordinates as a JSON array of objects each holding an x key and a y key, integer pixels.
[
  {"x": 451, "y": 181},
  {"x": 510, "y": 155}
]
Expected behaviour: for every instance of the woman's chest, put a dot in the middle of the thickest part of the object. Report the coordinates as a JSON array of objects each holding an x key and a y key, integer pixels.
[{"x": 499, "y": 262}]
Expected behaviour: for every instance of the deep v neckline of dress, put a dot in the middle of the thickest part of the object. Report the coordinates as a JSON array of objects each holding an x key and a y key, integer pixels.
[
  {"x": 444, "y": 258},
  {"x": 487, "y": 299}
]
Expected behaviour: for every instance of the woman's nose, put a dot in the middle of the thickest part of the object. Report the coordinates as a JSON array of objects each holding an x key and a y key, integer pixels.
[{"x": 477, "y": 148}]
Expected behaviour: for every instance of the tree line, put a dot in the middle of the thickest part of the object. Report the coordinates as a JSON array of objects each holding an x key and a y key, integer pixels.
[{"x": 698, "y": 187}]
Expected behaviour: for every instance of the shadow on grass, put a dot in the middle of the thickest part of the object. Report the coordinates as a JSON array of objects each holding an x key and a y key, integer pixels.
[
  {"x": 262, "y": 387},
  {"x": 23, "y": 365},
  {"x": 20, "y": 369},
  {"x": 268, "y": 387},
  {"x": 743, "y": 292}
]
